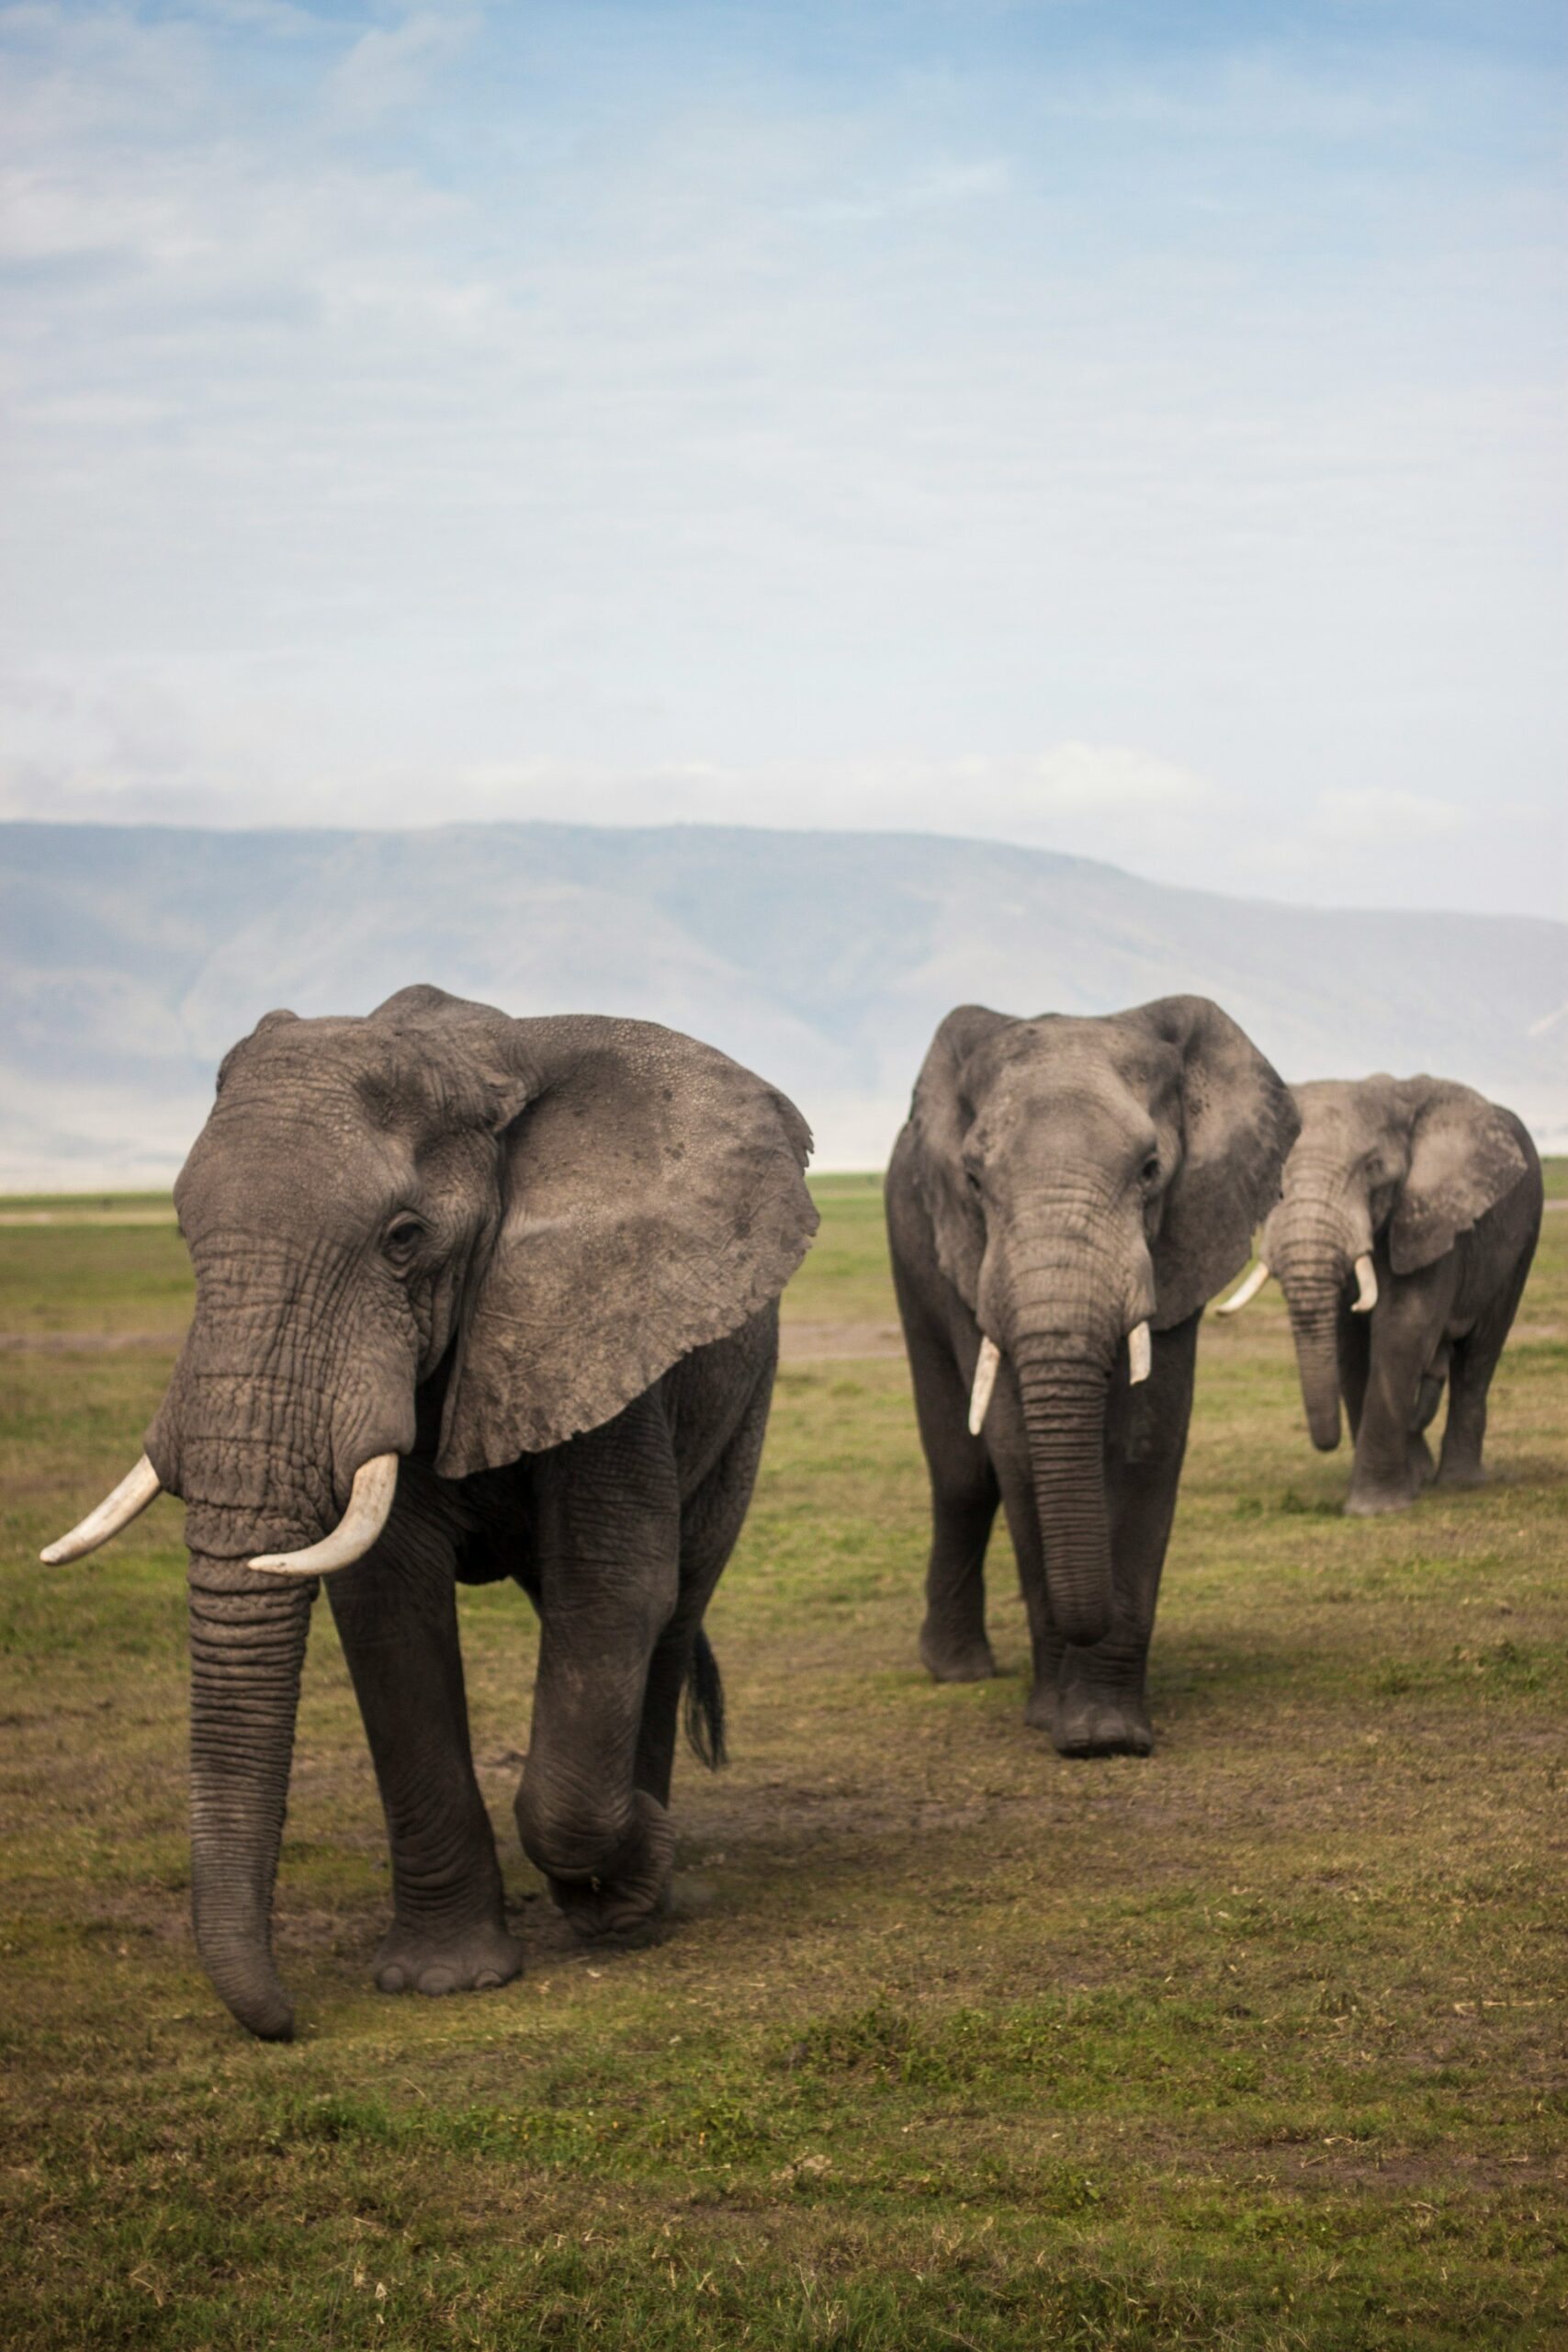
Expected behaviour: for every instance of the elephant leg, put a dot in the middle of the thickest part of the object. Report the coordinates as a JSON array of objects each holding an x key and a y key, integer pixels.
[
  {"x": 964, "y": 1493},
  {"x": 607, "y": 1551},
  {"x": 711, "y": 1520},
  {"x": 1407, "y": 1322},
  {"x": 1103, "y": 1706},
  {"x": 396, "y": 1615},
  {"x": 1428, "y": 1397},
  {"x": 1470, "y": 1381}
]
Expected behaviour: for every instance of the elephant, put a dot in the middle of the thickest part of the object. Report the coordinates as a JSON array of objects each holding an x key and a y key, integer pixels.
[
  {"x": 475, "y": 1298},
  {"x": 1066, "y": 1195},
  {"x": 1402, "y": 1241}
]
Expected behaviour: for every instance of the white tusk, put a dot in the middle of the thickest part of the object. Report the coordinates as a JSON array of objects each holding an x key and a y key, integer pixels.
[
  {"x": 1248, "y": 1291},
  {"x": 1366, "y": 1286},
  {"x": 369, "y": 1504},
  {"x": 116, "y": 1510},
  {"x": 985, "y": 1381},
  {"x": 1140, "y": 1354}
]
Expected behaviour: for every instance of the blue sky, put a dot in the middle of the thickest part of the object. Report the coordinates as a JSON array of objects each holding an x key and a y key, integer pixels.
[{"x": 1131, "y": 430}]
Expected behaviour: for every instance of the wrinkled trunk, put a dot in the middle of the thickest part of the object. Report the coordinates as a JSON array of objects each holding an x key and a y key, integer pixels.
[
  {"x": 244, "y": 1433},
  {"x": 247, "y": 1647},
  {"x": 1315, "y": 1240},
  {"x": 1314, "y": 1328},
  {"x": 1063, "y": 1402}
]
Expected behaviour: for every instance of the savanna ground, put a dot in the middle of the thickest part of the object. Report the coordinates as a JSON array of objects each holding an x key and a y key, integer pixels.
[{"x": 951, "y": 2043}]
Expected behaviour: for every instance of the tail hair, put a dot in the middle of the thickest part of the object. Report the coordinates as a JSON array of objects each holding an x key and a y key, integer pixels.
[{"x": 704, "y": 1704}]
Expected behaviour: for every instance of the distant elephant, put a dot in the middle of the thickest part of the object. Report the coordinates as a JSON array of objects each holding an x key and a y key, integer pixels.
[
  {"x": 1409, "y": 1218},
  {"x": 476, "y": 1297},
  {"x": 1066, "y": 1195}
]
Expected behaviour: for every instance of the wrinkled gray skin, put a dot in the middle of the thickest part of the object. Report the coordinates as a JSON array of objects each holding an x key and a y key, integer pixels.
[
  {"x": 539, "y": 1260},
  {"x": 1442, "y": 1190},
  {"x": 1059, "y": 1181}
]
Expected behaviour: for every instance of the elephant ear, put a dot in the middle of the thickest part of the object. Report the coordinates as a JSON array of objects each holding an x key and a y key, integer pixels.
[
  {"x": 1239, "y": 1121},
  {"x": 1464, "y": 1157},
  {"x": 941, "y": 1115},
  {"x": 653, "y": 1199}
]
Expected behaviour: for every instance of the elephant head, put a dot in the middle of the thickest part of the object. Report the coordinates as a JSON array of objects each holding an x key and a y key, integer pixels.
[
  {"x": 438, "y": 1225},
  {"x": 1385, "y": 1169},
  {"x": 1087, "y": 1179}
]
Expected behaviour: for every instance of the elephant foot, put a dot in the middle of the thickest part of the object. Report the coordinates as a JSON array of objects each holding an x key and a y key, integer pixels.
[
  {"x": 454, "y": 1959},
  {"x": 1092, "y": 1723},
  {"x": 1372, "y": 1502},
  {"x": 956, "y": 1657},
  {"x": 632, "y": 1895},
  {"x": 1462, "y": 1474},
  {"x": 1423, "y": 1469}
]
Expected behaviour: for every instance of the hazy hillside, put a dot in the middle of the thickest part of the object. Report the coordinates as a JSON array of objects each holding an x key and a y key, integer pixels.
[{"x": 130, "y": 957}]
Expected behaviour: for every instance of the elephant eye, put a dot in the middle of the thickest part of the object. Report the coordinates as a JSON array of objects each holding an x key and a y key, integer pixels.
[
  {"x": 972, "y": 1178},
  {"x": 402, "y": 1239},
  {"x": 1149, "y": 1172}
]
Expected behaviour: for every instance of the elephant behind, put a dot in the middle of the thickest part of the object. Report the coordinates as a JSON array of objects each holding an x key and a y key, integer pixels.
[
  {"x": 475, "y": 1298},
  {"x": 1066, "y": 1198},
  {"x": 1402, "y": 1241}
]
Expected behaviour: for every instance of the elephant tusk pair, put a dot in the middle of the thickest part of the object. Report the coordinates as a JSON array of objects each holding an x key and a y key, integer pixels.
[
  {"x": 1140, "y": 1361},
  {"x": 369, "y": 1503},
  {"x": 1248, "y": 1291},
  {"x": 1366, "y": 1297}
]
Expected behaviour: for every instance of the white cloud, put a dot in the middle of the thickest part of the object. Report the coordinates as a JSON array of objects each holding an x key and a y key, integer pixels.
[
  {"x": 392, "y": 65},
  {"x": 1375, "y": 814},
  {"x": 1075, "y": 778}
]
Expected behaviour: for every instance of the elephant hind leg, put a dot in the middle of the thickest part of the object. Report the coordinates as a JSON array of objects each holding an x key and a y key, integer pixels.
[
  {"x": 1470, "y": 1381},
  {"x": 682, "y": 1659}
]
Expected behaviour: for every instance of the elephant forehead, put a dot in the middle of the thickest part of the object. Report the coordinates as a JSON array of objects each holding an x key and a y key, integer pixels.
[
  {"x": 266, "y": 1160},
  {"x": 1059, "y": 1057},
  {"x": 1343, "y": 1117}
]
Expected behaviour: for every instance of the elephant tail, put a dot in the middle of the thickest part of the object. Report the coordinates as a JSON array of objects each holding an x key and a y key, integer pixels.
[{"x": 705, "y": 1703}]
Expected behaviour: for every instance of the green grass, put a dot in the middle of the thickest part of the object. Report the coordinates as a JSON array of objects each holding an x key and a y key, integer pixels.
[{"x": 951, "y": 2043}]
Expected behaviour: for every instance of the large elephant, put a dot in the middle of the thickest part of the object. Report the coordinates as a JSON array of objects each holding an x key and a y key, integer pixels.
[
  {"x": 1402, "y": 1241},
  {"x": 476, "y": 1297},
  {"x": 1066, "y": 1198}
]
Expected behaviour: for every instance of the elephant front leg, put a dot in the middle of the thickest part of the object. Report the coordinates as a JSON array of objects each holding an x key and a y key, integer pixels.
[
  {"x": 955, "y": 1646},
  {"x": 608, "y": 1549},
  {"x": 1392, "y": 1460},
  {"x": 395, "y": 1614},
  {"x": 1102, "y": 1696}
]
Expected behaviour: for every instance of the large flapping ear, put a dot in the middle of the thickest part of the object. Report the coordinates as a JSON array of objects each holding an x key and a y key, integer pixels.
[
  {"x": 654, "y": 1199},
  {"x": 941, "y": 1115},
  {"x": 1238, "y": 1122},
  {"x": 1464, "y": 1157}
]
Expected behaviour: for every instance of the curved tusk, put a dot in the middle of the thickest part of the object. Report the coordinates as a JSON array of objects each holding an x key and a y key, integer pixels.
[
  {"x": 1248, "y": 1291},
  {"x": 1140, "y": 1354},
  {"x": 132, "y": 1496},
  {"x": 985, "y": 1381},
  {"x": 1366, "y": 1297},
  {"x": 369, "y": 1504}
]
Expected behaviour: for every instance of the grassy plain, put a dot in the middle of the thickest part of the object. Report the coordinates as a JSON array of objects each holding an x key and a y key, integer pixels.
[{"x": 951, "y": 2043}]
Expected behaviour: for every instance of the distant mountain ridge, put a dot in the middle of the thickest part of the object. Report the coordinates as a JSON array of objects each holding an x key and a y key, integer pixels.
[{"x": 132, "y": 957}]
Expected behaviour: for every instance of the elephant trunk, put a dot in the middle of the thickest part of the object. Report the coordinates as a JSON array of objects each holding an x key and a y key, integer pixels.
[
  {"x": 1315, "y": 1314},
  {"x": 247, "y": 1647},
  {"x": 1064, "y": 1401},
  {"x": 1312, "y": 1241}
]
